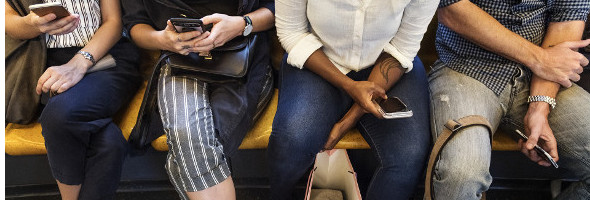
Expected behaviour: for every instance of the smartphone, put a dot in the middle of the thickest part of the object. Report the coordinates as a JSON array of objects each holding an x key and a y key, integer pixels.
[
  {"x": 392, "y": 108},
  {"x": 46, "y": 8},
  {"x": 539, "y": 150},
  {"x": 187, "y": 24}
]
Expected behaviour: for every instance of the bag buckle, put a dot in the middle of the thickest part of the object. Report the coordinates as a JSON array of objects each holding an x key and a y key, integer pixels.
[{"x": 453, "y": 125}]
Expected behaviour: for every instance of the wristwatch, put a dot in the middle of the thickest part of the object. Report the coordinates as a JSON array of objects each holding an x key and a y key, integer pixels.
[
  {"x": 546, "y": 99},
  {"x": 248, "y": 28},
  {"x": 88, "y": 56}
]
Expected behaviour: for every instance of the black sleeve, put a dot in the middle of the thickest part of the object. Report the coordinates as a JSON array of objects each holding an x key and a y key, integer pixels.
[
  {"x": 134, "y": 12},
  {"x": 270, "y": 4}
]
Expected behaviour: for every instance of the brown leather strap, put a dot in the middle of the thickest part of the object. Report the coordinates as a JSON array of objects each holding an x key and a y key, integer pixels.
[{"x": 451, "y": 127}]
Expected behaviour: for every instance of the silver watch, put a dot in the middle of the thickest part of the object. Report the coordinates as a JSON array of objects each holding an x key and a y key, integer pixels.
[
  {"x": 248, "y": 28},
  {"x": 546, "y": 99},
  {"x": 88, "y": 56}
]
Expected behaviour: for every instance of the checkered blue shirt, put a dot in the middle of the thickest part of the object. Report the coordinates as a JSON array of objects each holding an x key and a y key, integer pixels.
[{"x": 527, "y": 18}]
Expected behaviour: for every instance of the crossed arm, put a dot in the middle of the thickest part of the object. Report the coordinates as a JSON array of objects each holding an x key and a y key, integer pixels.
[{"x": 555, "y": 62}]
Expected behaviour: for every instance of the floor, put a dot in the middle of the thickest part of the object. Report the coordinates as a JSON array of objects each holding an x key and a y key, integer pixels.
[{"x": 500, "y": 190}]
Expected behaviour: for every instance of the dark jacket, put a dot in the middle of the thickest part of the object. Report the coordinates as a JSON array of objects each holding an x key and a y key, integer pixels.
[{"x": 235, "y": 105}]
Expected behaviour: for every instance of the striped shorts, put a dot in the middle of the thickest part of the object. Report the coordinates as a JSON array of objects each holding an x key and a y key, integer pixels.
[{"x": 195, "y": 160}]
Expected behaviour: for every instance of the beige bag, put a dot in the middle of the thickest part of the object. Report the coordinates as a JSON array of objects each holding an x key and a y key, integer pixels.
[{"x": 332, "y": 172}]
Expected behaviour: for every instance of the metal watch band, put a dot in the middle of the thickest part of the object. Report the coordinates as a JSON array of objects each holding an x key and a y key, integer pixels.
[
  {"x": 88, "y": 56},
  {"x": 546, "y": 99}
]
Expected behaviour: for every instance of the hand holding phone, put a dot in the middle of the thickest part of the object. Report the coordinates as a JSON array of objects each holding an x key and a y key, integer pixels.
[
  {"x": 539, "y": 150},
  {"x": 392, "y": 108},
  {"x": 62, "y": 23}
]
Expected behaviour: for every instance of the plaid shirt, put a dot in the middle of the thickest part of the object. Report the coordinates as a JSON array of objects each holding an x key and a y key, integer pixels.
[{"x": 527, "y": 18}]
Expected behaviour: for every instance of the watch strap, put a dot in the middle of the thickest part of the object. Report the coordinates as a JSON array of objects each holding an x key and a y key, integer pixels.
[
  {"x": 551, "y": 101},
  {"x": 87, "y": 56}
]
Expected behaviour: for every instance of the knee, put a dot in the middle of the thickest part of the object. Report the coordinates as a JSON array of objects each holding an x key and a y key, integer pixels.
[
  {"x": 464, "y": 174},
  {"x": 115, "y": 146},
  {"x": 59, "y": 112}
]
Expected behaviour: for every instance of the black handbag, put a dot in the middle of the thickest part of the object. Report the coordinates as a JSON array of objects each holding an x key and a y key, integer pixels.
[
  {"x": 230, "y": 63},
  {"x": 227, "y": 63}
]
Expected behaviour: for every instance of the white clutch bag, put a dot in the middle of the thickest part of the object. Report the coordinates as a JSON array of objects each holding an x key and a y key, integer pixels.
[{"x": 105, "y": 62}]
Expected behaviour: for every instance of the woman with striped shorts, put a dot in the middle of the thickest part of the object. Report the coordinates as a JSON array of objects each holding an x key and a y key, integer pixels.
[{"x": 204, "y": 122}]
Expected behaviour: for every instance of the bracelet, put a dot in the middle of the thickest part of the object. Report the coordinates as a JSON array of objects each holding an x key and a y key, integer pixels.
[
  {"x": 546, "y": 99},
  {"x": 88, "y": 56}
]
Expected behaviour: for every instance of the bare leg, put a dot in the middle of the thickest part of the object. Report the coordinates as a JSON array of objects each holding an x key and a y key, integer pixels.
[
  {"x": 222, "y": 191},
  {"x": 68, "y": 192}
]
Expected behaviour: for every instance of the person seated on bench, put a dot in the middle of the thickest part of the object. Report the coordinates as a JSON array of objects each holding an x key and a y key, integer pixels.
[
  {"x": 85, "y": 148},
  {"x": 341, "y": 56},
  {"x": 204, "y": 122},
  {"x": 493, "y": 60}
]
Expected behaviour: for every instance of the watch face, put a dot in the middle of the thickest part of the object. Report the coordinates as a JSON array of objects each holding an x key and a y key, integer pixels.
[{"x": 247, "y": 30}]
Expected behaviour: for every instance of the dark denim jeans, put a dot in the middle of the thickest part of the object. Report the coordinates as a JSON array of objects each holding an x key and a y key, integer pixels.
[
  {"x": 308, "y": 108},
  {"x": 84, "y": 145}
]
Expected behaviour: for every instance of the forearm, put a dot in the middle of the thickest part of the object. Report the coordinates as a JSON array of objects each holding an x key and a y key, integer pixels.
[
  {"x": 17, "y": 26},
  {"x": 104, "y": 39},
  {"x": 145, "y": 36},
  {"x": 319, "y": 63},
  {"x": 486, "y": 32},
  {"x": 262, "y": 19},
  {"x": 387, "y": 71},
  {"x": 385, "y": 74},
  {"x": 557, "y": 32}
]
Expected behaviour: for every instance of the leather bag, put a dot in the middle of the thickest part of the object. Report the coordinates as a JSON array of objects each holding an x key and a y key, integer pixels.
[
  {"x": 228, "y": 63},
  {"x": 24, "y": 63}
]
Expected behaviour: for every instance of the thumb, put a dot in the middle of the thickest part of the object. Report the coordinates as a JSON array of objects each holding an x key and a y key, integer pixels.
[
  {"x": 575, "y": 45},
  {"x": 380, "y": 92},
  {"x": 169, "y": 26},
  {"x": 211, "y": 19}
]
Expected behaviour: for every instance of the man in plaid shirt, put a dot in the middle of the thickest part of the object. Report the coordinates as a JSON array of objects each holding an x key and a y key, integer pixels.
[{"x": 495, "y": 56}]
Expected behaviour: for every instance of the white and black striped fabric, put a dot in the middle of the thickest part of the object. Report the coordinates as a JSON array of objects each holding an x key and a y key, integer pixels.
[
  {"x": 195, "y": 159},
  {"x": 90, "y": 20},
  {"x": 528, "y": 19}
]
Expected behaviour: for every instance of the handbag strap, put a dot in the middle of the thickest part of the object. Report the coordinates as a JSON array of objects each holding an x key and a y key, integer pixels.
[{"x": 449, "y": 131}]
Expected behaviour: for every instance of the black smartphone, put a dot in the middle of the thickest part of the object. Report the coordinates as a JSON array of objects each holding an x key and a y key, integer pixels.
[
  {"x": 392, "y": 108},
  {"x": 46, "y": 8},
  {"x": 187, "y": 24},
  {"x": 539, "y": 150}
]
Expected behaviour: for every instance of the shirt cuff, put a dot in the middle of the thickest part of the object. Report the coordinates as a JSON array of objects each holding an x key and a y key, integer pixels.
[
  {"x": 302, "y": 50},
  {"x": 404, "y": 60}
]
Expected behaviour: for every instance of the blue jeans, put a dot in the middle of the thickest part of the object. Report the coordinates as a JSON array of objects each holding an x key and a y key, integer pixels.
[
  {"x": 462, "y": 171},
  {"x": 308, "y": 108}
]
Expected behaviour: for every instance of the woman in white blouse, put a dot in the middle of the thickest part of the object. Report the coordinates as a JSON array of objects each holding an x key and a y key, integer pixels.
[
  {"x": 341, "y": 55},
  {"x": 85, "y": 148}
]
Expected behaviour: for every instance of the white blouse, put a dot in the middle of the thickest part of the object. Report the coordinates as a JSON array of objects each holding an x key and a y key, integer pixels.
[
  {"x": 90, "y": 20},
  {"x": 353, "y": 33}
]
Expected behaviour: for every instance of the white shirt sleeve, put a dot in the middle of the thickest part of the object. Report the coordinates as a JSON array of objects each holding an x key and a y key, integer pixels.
[
  {"x": 293, "y": 32},
  {"x": 405, "y": 44}
]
